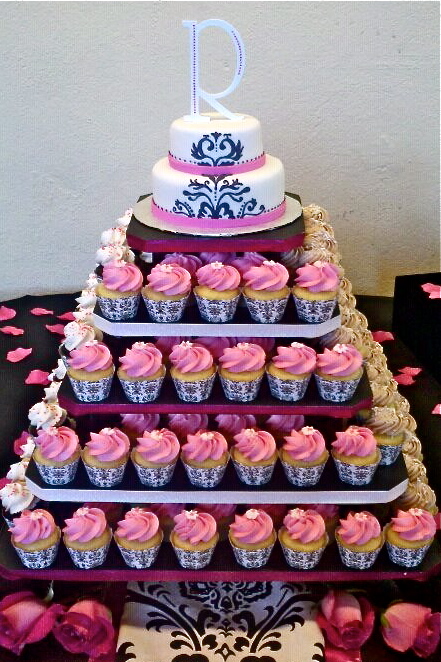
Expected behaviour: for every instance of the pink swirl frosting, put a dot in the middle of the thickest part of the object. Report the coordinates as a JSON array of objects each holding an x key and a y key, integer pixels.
[
  {"x": 296, "y": 359},
  {"x": 304, "y": 525},
  {"x": 57, "y": 444},
  {"x": 326, "y": 510},
  {"x": 108, "y": 445},
  {"x": 184, "y": 424},
  {"x": 234, "y": 423},
  {"x": 217, "y": 510},
  {"x": 253, "y": 527},
  {"x": 276, "y": 511},
  {"x": 91, "y": 356},
  {"x": 359, "y": 528},
  {"x": 215, "y": 345},
  {"x": 189, "y": 262},
  {"x": 355, "y": 440},
  {"x": 217, "y": 256},
  {"x": 188, "y": 357},
  {"x": 158, "y": 446},
  {"x": 166, "y": 343},
  {"x": 122, "y": 277},
  {"x": 194, "y": 527},
  {"x": 170, "y": 279},
  {"x": 244, "y": 357},
  {"x": 267, "y": 344},
  {"x": 307, "y": 444},
  {"x": 85, "y": 524},
  {"x": 284, "y": 423},
  {"x": 414, "y": 524},
  {"x": 137, "y": 423},
  {"x": 318, "y": 277},
  {"x": 205, "y": 445},
  {"x": 248, "y": 260},
  {"x": 32, "y": 525},
  {"x": 218, "y": 276},
  {"x": 143, "y": 359},
  {"x": 256, "y": 445},
  {"x": 269, "y": 276},
  {"x": 138, "y": 524},
  {"x": 342, "y": 360}
]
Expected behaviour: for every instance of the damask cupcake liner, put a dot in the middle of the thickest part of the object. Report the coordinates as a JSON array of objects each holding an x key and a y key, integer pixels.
[
  {"x": 193, "y": 559},
  {"x": 166, "y": 311},
  {"x": 254, "y": 475},
  {"x": 105, "y": 477},
  {"x": 302, "y": 560},
  {"x": 139, "y": 558},
  {"x": 335, "y": 390},
  {"x": 142, "y": 391},
  {"x": 217, "y": 311},
  {"x": 194, "y": 391},
  {"x": 58, "y": 475},
  {"x": 205, "y": 477},
  {"x": 358, "y": 560},
  {"x": 252, "y": 558},
  {"x": 314, "y": 312},
  {"x": 42, "y": 558},
  {"x": 288, "y": 389},
  {"x": 354, "y": 474},
  {"x": 241, "y": 391},
  {"x": 303, "y": 476},
  {"x": 155, "y": 476},
  {"x": 409, "y": 558},
  {"x": 89, "y": 391},
  {"x": 389, "y": 453},
  {"x": 88, "y": 558},
  {"x": 266, "y": 312},
  {"x": 120, "y": 309}
]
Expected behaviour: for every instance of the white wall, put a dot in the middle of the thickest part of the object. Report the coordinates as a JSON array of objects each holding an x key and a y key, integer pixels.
[{"x": 347, "y": 93}]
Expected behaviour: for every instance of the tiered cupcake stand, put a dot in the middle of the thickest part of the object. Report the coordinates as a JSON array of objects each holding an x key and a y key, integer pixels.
[{"x": 389, "y": 481}]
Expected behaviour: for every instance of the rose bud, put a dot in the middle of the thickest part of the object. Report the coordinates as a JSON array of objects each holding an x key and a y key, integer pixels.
[
  {"x": 25, "y": 619},
  {"x": 406, "y": 626},
  {"x": 346, "y": 620},
  {"x": 86, "y": 628}
]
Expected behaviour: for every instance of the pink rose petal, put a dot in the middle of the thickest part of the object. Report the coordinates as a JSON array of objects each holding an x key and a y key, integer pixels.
[
  {"x": 6, "y": 313},
  {"x": 20, "y": 441},
  {"x": 436, "y": 409},
  {"x": 18, "y": 354},
  {"x": 434, "y": 291},
  {"x": 382, "y": 336},
  {"x": 55, "y": 328},
  {"x": 4, "y": 481},
  {"x": 12, "y": 330},
  {"x": 37, "y": 377},
  {"x": 410, "y": 371},
  {"x": 41, "y": 311},
  {"x": 406, "y": 380},
  {"x": 67, "y": 316}
]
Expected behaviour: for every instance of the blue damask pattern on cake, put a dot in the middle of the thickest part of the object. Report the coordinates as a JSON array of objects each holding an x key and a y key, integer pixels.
[
  {"x": 217, "y": 149},
  {"x": 217, "y": 197}
]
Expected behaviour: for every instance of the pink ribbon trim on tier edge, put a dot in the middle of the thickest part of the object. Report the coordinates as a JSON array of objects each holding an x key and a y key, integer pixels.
[{"x": 193, "y": 169}]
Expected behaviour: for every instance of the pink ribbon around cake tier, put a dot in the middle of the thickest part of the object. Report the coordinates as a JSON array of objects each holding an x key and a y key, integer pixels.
[{"x": 235, "y": 169}]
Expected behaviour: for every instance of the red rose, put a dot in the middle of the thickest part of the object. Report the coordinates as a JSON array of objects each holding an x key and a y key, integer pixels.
[
  {"x": 346, "y": 620},
  {"x": 87, "y": 628},
  {"x": 24, "y": 619},
  {"x": 406, "y": 626}
]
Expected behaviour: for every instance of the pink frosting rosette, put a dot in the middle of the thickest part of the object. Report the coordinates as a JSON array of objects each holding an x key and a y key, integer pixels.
[
  {"x": 184, "y": 424},
  {"x": 359, "y": 528},
  {"x": 306, "y": 445},
  {"x": 189, "y": 262},
  {"x": 108, "y": 445},
  {"x": 216, "y": 256},
  {"x": 170, "y": 279},
  {"x": 121, "y": 276},
  {"x": 244, "y": 357},
  {"x": 255, "y": 445},
  {"x": 340, "y": 361},
  {"x": 138, "y": 524},
  {"x": 414, "y": 524},
  {"x": 166, "y": 343},
  {"x": 232, "y": 424},
  {"x": 138, "y": 423},
  {"x": 281, "y": 424},
  {"x": 253, "y": 527},
  {"x": 355, "y": 440},
  {"x": 188, "y": 357},
  {"x": 218, "y": 276},
  {"x": 158, "y": 446},
  {"x": 194, "y": 527},
  {"x": 204, "y": 445},
  {"x": 269, "y": 276},
  {"x": 57, "y": 444},
  {"x": 319, "y": 277},
  {"x": 85, "y": 524},
  {"x": 248, "y": 260},
  {"x": 276, "y": 511},
  {"x": 141, "y": 360},
  {"x": 297, "y": 359},
  {"x": 267, "y": 344},
  {"x": 31, "y": 526},
  {"x": 90, "y": 357},
  {"x": 215, "y": 345},
  {"x": 304, "y": 525}
]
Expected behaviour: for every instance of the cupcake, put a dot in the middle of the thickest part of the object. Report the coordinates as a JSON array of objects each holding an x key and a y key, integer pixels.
[
  {"x": 303, "y": 538},
  {"x": 254, "y": 456},
  {"x": 223, "y": 513},
  {"x": 91, "y": 371},
  {"x": 119, "y": 292},
  {"x": 133, "y": 425},
  {"x": 141, "y": 372},
  {"x": 266, "y": 292},
  {"x": 331, "y": 516},
  {"x": 389, "y": 429},
  {"x": 184, "y": 424},
  {"x": 155, "y": 457},
  {"x": 242, "y": 370},
  {"x": 252, "y": 537},
  {"x": 409, "y": 536},
  {"x": 35, "y": 537},
  {"x": 205, "y": 457},
  {"x": 192, "y": 371},
  {"x": 217, "y": 292},
  {"x": 290, "y": 370},
  {"x": 87, "y": 537},
  {"x": 303, "y": 456},
  {"x": 359, "y": 539},
  {"x": 138, "y": 538},
  {"x": 232, "y": 424},
  {"x": 315, "y": 291},
  {"x": 338, "y": 372},
  {"x": 356, "y": 455},
  {"x": 194, "y": 538},
  {"x": 166, "y": 293},
  {"x": 57, "y": 455},
  {"x": 105, "y": 457}
]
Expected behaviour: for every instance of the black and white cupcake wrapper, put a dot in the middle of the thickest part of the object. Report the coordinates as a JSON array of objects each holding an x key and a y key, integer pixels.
[
  {"x": 142, "y": 391},
  {"x": 288, "y": 389},
  {"x": 166, "y": 311},
  {"x": 241, "y": 391},
  {"x": 88, "y": 391},
  {"x": 58, "y": 475},
  {"x": 259, "y": 475},
  {"x": 409, "y": 558},
  {"x": 205, "y": 477},
  {"x": 252, "y": 558},
  {"x": 217, "y": 311},
  {"x": 303, "y": 476},
  {"x": 89, "y": 558},
  {"x": 194, "y": 391},
  {"x": 155, "y": 476},
  {"x": 139, "y": 558},
  {"x": 389, "y": 453},
  {"x": 335, "y": 390},
  {"x": 42, "y": 558},
  {"x": 124, "y": 308},
  {"x": 354, "y": 474},
  {"x": 314, "y": 311},
  {"x": 105, "y": 477},
  {"x": 266, "y": 312},
  {"x": 302, "y": 560},
  {"x": 358, "y": 560},
  {"x": 193, "y": 559}
]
